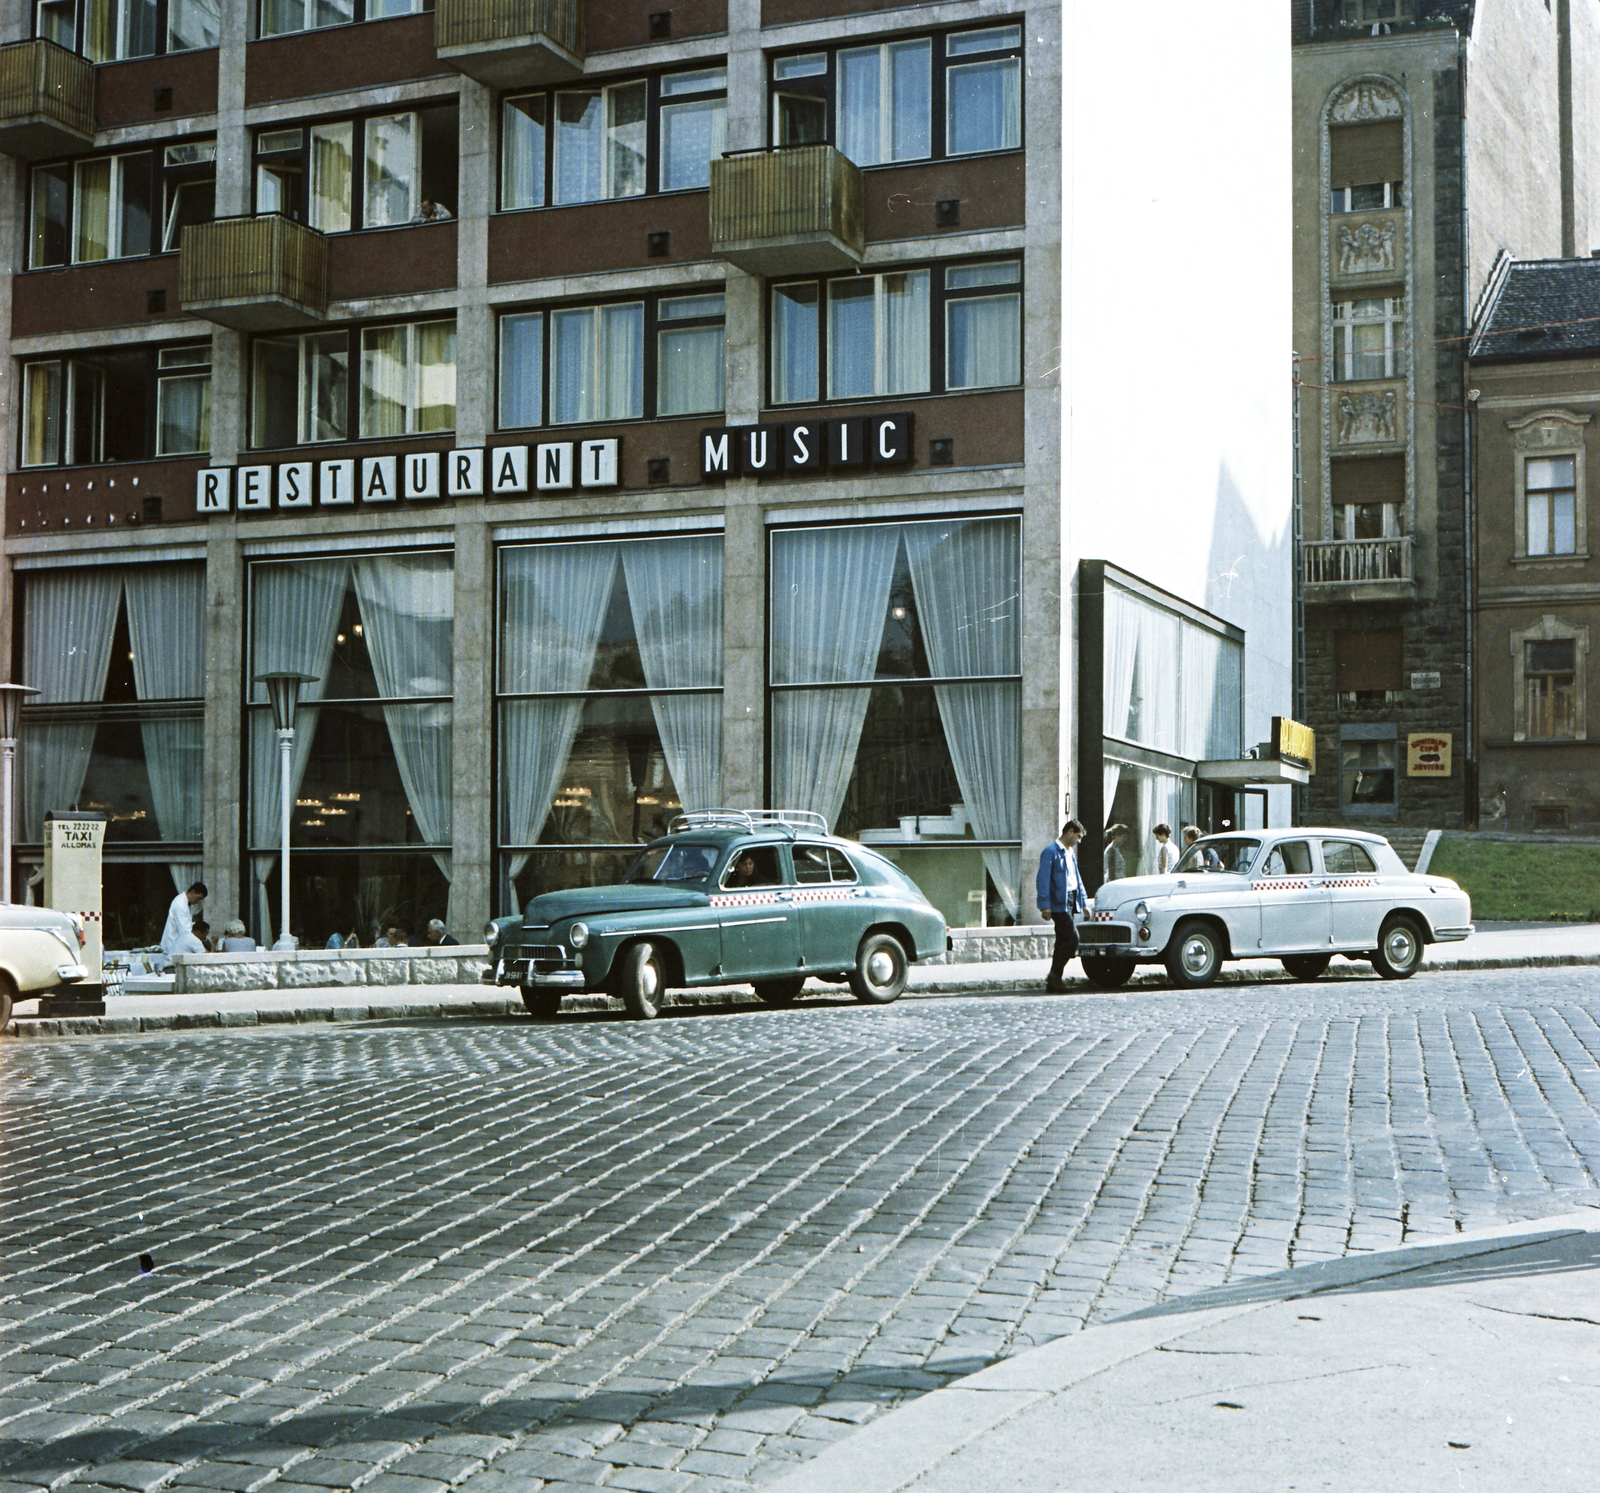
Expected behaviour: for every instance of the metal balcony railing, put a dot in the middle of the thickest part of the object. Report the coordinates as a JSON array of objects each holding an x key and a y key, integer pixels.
[
  {"x": 508, "y": 42},
  {"x": 254, "y": 274},
  {"x": 46, "y": 100},
  {"x": 788, "y": 210},
  {"x": 1349, "y": 562}
]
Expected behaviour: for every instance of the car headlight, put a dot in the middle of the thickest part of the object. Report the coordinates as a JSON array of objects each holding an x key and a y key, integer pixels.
[
  {"x": 1141, "y": 913},
  {"x": 491, "y": 934},
  {"x": 578, "y": 935}
]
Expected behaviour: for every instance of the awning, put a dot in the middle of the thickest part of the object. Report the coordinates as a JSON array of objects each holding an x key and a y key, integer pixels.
[{"x": 1249, "y": 772}]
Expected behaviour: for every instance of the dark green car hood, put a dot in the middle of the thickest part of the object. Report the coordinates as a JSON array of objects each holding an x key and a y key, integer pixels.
[{"x": 595, "y": 901}]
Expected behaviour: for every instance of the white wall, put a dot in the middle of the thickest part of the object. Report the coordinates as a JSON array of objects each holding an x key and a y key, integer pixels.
[{"x": 1177, "y": 298}]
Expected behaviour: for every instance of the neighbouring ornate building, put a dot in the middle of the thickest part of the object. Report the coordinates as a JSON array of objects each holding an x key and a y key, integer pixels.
[
  {"x": 1535, "y": 394},
  {"x": 1433, "y": 138}
]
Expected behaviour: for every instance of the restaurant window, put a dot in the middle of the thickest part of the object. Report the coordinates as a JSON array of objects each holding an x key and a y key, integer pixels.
[
  {"x": 372, "y": 774},
  {"x": 1369, "y": 338},
  {"x": 122, "y": 404},
  {"x": 300, "y": 389},
  {"x": 571, "y": 145},
  {"x": 897, "y": 718},
  {"x": 118, "y": 728},
  {"x": 408, "y": 378},
  {"x": 279, "y": 17},
  {"x": 382, "y": 170},
  {"x": 1550, "y": 498},
  {"x": 659, "y": 357},
  {"x": 112, "y": 30},
  {"x": 1368, "y": 12},
  {"x": 912, "y": 331},
  {"x": 609, "y": 703},
  {"x": 959, "y": 93}
]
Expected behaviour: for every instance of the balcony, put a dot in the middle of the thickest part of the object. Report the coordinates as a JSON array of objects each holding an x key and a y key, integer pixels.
[
  {"x": 1359, "y": 569},
  {"x": 511, "y": 43},
  {"x": 792, "y": 211},
  {"x": 46, "y": 100},
  {"x": 254, "y": 274}
]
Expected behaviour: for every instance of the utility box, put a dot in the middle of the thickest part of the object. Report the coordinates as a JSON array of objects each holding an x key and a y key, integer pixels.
[{"x": 73, "y": 845}]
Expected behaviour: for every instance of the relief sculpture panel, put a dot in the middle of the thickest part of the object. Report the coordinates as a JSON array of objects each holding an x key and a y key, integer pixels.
[
  {"x": 1369, "y": 417},
  {"x": 1370, "y": 244}
]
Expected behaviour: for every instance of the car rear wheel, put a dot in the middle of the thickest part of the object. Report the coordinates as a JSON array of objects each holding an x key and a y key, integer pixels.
[
  {"x": 642, "y": 980},
  {"x": 780, "y": 992},
  {"x": 880, "y": 972},
  {"x": 1399, "y": 951},
  {"x": 1195, "y": 955},
  {"x": 543, "y": 1004},
  {"x": 1108, "y": 974},
  {"x": 1305, "y": 966}
]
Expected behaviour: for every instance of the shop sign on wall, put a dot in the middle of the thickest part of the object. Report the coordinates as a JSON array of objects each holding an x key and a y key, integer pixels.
[
  {"x": 804, "y": 446},
  {"x": 1428, "y": 754},
  {"x": 498, "y": 471}
]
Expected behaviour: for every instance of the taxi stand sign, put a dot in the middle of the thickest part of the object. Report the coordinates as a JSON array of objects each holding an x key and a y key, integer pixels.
[
  {"x": 73, "y": 844},
  {"x": 495, "y": 471}
]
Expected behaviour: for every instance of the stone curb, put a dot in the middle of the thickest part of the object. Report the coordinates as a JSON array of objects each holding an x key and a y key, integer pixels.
[{"x": 489, "y": 1006}]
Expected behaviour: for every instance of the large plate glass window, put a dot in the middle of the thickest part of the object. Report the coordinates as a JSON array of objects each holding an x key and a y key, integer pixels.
[
  {"x": 609, "y": 686},
  {"x": 408, "y": 378},
  {"x": 183, "y": 400},
  {"x": 1369, "y": 338},
  {"x": 300, "y": 389},
  {"x": 372, "y": 775},
  {"x": 898, "y": 717}
]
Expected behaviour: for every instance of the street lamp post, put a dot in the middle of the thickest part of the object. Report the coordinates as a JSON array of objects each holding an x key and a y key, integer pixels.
[
  {"x": 11, "y": 698},
  {"x": 283, "y": 690}
]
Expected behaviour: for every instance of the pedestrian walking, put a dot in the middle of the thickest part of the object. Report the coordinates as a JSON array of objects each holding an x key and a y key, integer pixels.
[
  {"x": 1060, "y": 895},
  {"x": 1166, "y": 851}
]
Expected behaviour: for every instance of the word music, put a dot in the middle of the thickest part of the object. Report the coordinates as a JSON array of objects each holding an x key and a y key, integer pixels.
[
  {"x": 498, "y": 471},
  {"x": 805, "y": 446}
]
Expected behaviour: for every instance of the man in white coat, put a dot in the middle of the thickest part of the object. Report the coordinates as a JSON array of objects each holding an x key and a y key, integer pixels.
[{"x": 178, "y": 936}]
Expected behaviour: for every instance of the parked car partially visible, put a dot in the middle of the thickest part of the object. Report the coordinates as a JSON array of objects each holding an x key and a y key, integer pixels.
[
  {"x": 41, "y": 952},
  {"x": 726, "y": 897},
  {"x": 1297, "y": 895}
]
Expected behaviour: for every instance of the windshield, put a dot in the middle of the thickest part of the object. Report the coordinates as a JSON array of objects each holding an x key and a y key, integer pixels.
[
  {"x": 1224, "y": 853},
  {"x": 681, "y": 864}
]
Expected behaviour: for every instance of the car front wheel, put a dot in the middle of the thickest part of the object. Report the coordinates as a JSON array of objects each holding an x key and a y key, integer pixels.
[
  {"x": 642, "y": 980},
  {"x": 1399, "y": 951},
  {"x": 1305, "y": 966},
  {"x": 5, "y": 1001},
  {"x": 880, "y": 972},
  {"x": 1194, "y": 956},
  {"x": 543, "y": 1004},
  {"x": 1108, "y": 974},
  {"x": 780, "y": 992}
]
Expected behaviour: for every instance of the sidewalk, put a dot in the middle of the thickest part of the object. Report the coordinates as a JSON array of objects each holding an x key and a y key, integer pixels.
[
  {"x": 1505, "y": 946},
  {"x": 1471, "y": 1364}
]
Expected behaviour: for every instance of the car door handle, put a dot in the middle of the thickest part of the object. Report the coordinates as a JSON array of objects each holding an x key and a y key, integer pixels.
[
  {"x": 784, "y": 896},
  {"x": 1313, "y": 883}
]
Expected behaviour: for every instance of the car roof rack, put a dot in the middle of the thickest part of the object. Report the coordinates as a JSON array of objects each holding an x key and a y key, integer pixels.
[{"x": 749, "y": 820}]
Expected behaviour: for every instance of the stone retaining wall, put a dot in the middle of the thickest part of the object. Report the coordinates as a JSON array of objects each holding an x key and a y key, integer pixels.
[
  {"x": 309, "y": 969},
  {"x": 997, "y": 945}
]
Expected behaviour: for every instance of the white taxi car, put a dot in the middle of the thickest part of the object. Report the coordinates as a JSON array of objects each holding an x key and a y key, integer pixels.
[
  {"x": 1299, "y": 895},
  {"x": 40, "y": 951}
]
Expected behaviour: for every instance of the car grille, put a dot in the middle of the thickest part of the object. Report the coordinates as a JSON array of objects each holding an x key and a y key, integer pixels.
[
  {"x": 1108, "y": 933},
  {"x": 541, "y": 958}
]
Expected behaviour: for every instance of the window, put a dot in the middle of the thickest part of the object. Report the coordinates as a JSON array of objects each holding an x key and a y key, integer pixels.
[
  {"x": 124, "y": 404},
  {"x": 379, "y": 171},
  {"x": 1369, "y": 667},
  {"x": 1369, "y": 197},
  {"x": 657, "y": 358},
  {"x": 1368, "y": 338},
  {"x": 1550, "y": 676},
  {"x": 408, "y": 378},
  {"x": 609, "y": 703},
  {"x": 300, "y": 389},
  {"x": 183, "y": 400},
  {"x": 111, "y": 30},
  {"x": 1363, "y": 12},
  {"x": 911, "y": 331},
  {"x": 1291, "y": 859},
  {"x": 821, "y": 863},
  {"x": 616, "y": 140},
  {"x": 1550, "y": 492},
  {"x": 1346, "y": 858},
  {"x": 1367, "y": 773},
  {"x": 756, "y": 865},
  {"x": 905, "y": 100},
  {"x": 281, "y": 16},
  {"x": 116, "y": 207}
]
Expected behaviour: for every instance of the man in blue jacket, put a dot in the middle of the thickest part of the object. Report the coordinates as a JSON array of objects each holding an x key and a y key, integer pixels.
[{"x": 1060, "y": 895}]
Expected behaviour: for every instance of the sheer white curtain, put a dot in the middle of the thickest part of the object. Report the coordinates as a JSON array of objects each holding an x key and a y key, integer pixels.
[
  {"x": 69, "y": 619},
  {"x": 830, "y": 595},
  {"x": 1160, "y": 802},
  {"x": 622, "y": 351},
  {"x": 967, "y": 580},
  {"x": 675, "y": 588},
  {"x": 294, "y": 616},
  {"x": 408, "y": 612},
  {"x": 1160, "y": 677},
  {"x": 166, "y": 633},
  {"x": 905, "y": 333},
  {"x": 1121, "y": 647},
  {"x": 553, "y": 605}
]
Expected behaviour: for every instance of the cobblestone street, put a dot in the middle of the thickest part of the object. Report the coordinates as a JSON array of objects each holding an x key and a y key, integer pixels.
[{"x": 501, "y": 1255}]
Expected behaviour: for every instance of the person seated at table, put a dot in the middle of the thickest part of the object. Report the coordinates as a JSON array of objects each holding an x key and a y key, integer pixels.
[
  {"x": 437, "y": 937},
  {"x": 235, "y": 940}
]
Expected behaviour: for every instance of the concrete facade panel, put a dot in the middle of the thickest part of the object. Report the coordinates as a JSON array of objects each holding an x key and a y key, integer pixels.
[
  {"x": 126, "y": 93},
  {"x": 308, "y": 64}
]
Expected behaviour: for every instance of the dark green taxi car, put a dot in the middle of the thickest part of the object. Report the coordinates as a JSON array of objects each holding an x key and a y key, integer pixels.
[{"x": 726, "y": 897}]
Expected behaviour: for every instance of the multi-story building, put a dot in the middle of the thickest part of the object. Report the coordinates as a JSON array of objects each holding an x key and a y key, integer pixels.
[
  {"x": 1432, "y": 138},
  {"x": 608, "y": 410},
  {"x": 1535, "y": 376}
]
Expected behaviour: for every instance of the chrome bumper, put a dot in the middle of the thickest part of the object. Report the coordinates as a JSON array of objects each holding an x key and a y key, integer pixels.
[
  {"x": 68, "y": 973},
  {"x": 1452, "y": 935},
  {"x": 537, "y": 973},
  {"x": 562, "y": 979}
]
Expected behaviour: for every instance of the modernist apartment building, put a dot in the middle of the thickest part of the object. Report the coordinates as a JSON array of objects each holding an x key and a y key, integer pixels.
[
  {"x": 611, "y": 410},
  {"x": 1433, "y": 139},
  {"x": 1535, "y": 371}
]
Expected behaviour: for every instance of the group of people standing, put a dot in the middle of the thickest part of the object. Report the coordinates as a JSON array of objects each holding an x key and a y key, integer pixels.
[{"x": 1060, "y": 892}]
